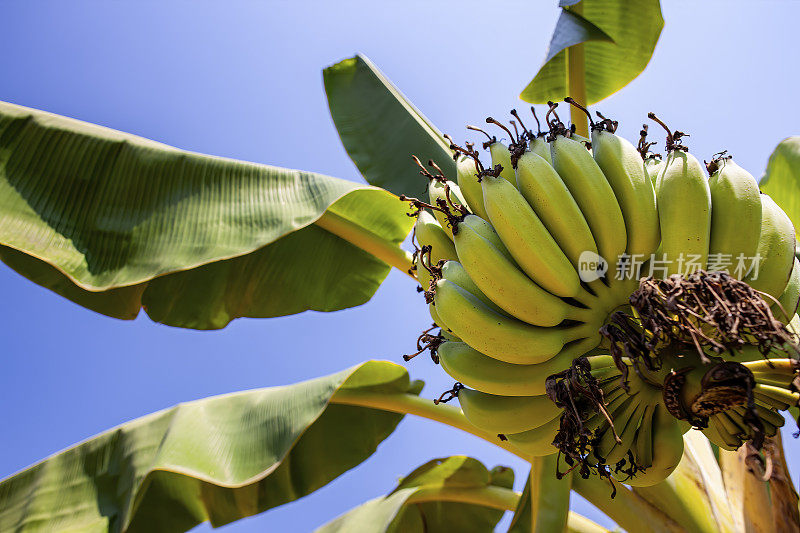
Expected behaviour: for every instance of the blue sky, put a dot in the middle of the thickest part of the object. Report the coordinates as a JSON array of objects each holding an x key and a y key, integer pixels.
[{"x": 242, "y": 79}]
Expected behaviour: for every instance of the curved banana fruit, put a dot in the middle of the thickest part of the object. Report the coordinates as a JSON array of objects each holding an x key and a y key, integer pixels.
[
  {"x": 643, "y": 441},
  {"x": 428, "y": 232},
  {"x": 506, "y": 339},
  {"x": 506, "y": 414},
  {"x": 455, "y": 272},
  {"x": 506, "y": 285},
  {"x": 624, "y": 170},
  {"x": 776, "y": 247},
  {"x": 528, "y": 240},
  {"x": 718, "y": 435},
  {"x": 623, "y": 417},
  {"x": 684, "y": 209},
  {"x": 540, "y": 147},
  {"x": 502, "y": 156},
  {"x": 653, "y": 166},
  {"x": 437, "y": 191},
  {"x": 467, "y": 178},
  {"x": 484, "y": 229},
  {"x": 786, "y": 306},
  {"x": 537, "y": 442},
  {"x": 667, "y": 442},
  {"x": 486, "y": 374},
  {"x": 593, "y": 194},
  {"x": 546, "y": 193},
  {"x": 735, "y": 214}
]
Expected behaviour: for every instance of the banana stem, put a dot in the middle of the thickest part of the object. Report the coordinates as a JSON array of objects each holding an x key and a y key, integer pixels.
[
  {"x": 414, "y": 405},
  {"x": 387, "y": 251},
  {"x": 498, "y": 498},
  {"x": 576, "y": 81},
  {"x": 629, "y": 510}
]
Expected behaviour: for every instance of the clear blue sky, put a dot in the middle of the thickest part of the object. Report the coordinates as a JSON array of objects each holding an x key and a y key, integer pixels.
[{"x": 242, "y": 79}]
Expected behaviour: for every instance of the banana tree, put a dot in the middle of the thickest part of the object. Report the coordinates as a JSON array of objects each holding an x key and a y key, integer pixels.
[{"x": 117, "y": 223}]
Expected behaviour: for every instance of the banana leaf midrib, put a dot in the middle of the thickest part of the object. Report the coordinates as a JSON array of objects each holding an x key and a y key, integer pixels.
[{"x": 336, "y": 188}]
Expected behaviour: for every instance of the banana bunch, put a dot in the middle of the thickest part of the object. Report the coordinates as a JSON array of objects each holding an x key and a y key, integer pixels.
[{"x": 523, "y": 262}]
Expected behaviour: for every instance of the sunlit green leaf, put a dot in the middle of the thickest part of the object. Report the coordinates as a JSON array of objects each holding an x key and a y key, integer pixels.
[
  {"x": 441, "y": 496},
  {"x": 218, "y": 459},
  {"x": 381, "y": 129},
  {"x": 618, "y": 37},
  {"x": 782, "y": 178},
  {"x": 115, "y": 222}
]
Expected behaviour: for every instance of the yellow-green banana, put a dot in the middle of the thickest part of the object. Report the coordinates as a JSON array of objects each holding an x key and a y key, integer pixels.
[
  {"x": 506, "y": 414},
  {"x": 593, "y": 194},
  {"x": 776, "y": 247},
  {"x": 506, "y": 285},
  {"x": 501, "y": 156},
  {"x": 455, "y": 272},
  {"x": 437, "y": 190},
  {"x": 486, "y": 374},
  {"x": 786, "y": 306},
  {"x": 667, "y": 442},
  {"x": 539, "y": 146},
  {"x": 528, "y": 240},
  {"x": 684, "y": 210},
  {"x": 735, "y": 216},
  {"x": 470, "y": 186},
  {"x": 537, "y": 442},
  {"x": 546, "y": 193},
  {"x": 624, "y": 170},
  {"x": 506, "y": 339},
  {"x": 428, "y": 232},
  {"x": 652, "y": 166}
]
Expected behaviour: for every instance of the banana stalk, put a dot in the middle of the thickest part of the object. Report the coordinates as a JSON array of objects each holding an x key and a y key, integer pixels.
[{"x": 544, "y": 506}]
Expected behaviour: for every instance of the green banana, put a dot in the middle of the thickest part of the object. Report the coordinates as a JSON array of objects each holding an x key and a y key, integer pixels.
[
  {"x": 539, "y": 146},
  {"x": 718, "y": 435},
  {"x": 486, "y": 374},
  {"x": 537, "y": 442},
  {"x": 776, "y": 247},
  {"x": 528, "y": 240},
  {"x": 735, "y": 214},
  {"x": 624, "y": 170},
  {"x": 786, "y": 306},
  {"x": 643, "y": 442},
  {"x": 428, "y": 232},
  {"x": 470, "y": 186},
  {"x": 546, "y": 193},
  {"x": 652, "y": 166},
  {"x": 684, "y": 209},
  {"x": 506, "y": 414},
  {"x": 623, "y": 416},
  {"x": 503, "y": 338},
  {"x": 593, "y": 194},
  {"x": 667, "y": 440},
  {"x": 437, "y": 190},
  {"x": 485, "y": 230},
  {"x": 781, "y": 397},
  {"x": 507, "y": 286},
  {"x": 502, "y": 156},
  {"x": 455, "y": 272}
]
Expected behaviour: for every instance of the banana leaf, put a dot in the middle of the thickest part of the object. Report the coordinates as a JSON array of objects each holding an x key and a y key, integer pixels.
[
  {"x": 115, "y": 222},
  {"x": 781, "y": 180},
  {"x": 440, "y": 496},
  {"x": 217, "y": 459},
  {"x": 380, "y": 129},
  {"x": 618, "y": 38}
]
